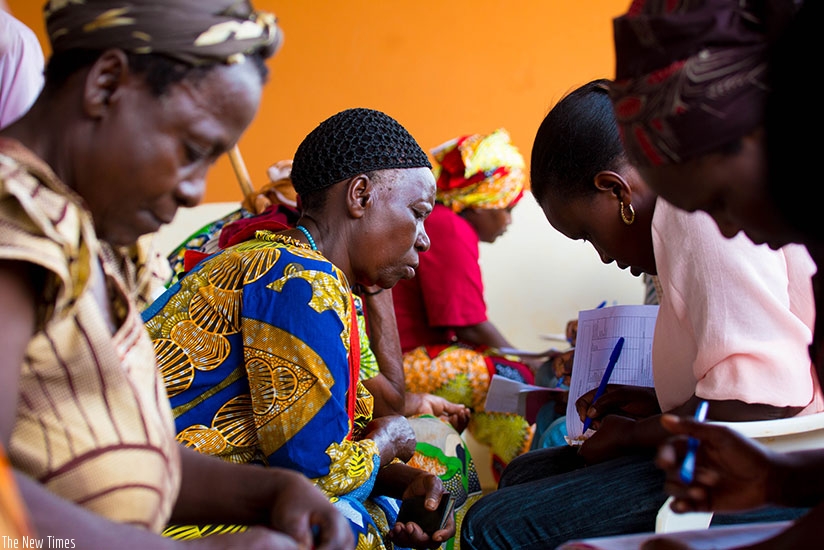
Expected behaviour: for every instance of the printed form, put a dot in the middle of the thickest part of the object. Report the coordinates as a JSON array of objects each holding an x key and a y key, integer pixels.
[{"x": 598, "y": 331}]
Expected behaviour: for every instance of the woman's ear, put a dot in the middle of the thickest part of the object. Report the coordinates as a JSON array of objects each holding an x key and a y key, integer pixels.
[
  {"x": 359, "y": 195},
  {"x": 104, "y": 80},
  {"x": 614, "y": 183}
]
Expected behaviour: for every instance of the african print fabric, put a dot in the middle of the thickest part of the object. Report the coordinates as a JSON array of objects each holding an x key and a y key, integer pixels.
[
  {"x": 479, "y": 171},
  {"x": 254, "y": 346},
  {"x": 683, "y": 67},
  {"x": 439, "y": 449},
  {"x": 462, "y": 375},
  {"x": 442, "y": 451},
  {"x": 192, "y": 31},
  {"x": 93, "y": 423}
]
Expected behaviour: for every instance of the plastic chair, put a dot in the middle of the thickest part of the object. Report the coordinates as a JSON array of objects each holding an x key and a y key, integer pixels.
[{"x": 783, "y": 435}]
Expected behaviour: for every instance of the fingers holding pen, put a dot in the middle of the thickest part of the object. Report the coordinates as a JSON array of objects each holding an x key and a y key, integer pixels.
[{"x": 731, "y": 471}]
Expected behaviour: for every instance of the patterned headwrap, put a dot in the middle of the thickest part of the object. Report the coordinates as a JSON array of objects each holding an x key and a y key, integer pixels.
[
  {"x": 690, "y": 76},
  {"x": 479, "y": 171},
  {"x": 195, "y": 32}
]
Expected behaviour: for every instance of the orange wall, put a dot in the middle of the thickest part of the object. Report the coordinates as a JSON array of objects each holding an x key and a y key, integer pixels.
[{"x": 442, "y": 68}]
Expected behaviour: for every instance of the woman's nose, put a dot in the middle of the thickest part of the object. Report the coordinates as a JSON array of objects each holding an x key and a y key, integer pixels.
[
  {"x": 190, "y": 191},
  {"x": 422, "y": 243}
]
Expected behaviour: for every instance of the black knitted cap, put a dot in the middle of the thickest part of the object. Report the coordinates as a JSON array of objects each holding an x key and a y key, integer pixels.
[{"x": 352, "y": 142}]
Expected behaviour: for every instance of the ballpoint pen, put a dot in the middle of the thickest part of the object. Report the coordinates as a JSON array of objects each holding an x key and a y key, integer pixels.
[
  {"x": 688, "y": 466},
  {"x": 613, "y": 358}
]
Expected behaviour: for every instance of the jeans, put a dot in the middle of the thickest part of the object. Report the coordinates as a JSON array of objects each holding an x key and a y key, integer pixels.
[{"x": 549, "y": 496}]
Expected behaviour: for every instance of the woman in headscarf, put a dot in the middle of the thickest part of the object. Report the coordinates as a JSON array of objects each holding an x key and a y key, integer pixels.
[
  {"x": 140, "y": 99},
  {"x": 450, "y": 345},
  {"x": 704, "y": 346},
  {"x": 260, "y": 343},
  {"x": 437, "y": 422},
  {"x": 736, "y": 146}
]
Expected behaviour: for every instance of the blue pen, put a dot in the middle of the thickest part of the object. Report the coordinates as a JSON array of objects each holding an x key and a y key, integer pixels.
[
  {"x": 613, "y": 358},
  {"x": 688, "y": 466},
  {"x": 602, "y": 304}
]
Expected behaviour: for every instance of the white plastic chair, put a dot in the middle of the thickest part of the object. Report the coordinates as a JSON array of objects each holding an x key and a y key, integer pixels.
[{"x": 786, "y": 434}]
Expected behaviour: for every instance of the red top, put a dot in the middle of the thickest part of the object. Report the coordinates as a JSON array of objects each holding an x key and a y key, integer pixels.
[{"x": 448, "y": 290}]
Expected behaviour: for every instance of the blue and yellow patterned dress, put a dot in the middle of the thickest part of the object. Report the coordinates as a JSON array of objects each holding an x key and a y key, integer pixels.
[{"x": 254, "y": 347}]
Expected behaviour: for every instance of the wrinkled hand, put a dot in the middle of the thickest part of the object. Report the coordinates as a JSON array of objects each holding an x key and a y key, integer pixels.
[
  {"x": 609, "y": 441},
  {"x": 731, "y": 472},
  {"x": 427, "y": 403},
  {"x": 631, "y": 401},
  {"x": 410, "y": 534},
  {"x": 394, "y": 436},
  {"x": 298, "y": 507}
]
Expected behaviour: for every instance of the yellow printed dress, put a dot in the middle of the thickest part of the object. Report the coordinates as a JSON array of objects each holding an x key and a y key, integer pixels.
[
  {"x": 254, "y": 347},
  {"x": 439, "y": 449},
  {"x": 93, "y": 424}
]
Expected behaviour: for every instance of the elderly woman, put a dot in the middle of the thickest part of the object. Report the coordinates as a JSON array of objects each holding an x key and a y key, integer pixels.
[
  {"x": 437, "y": 423},
  {"x": 140, "y": 99},
  {"x": 741, "y": 154},
  {"x": 449, "y": 344},
  {"x": 260, "y": 345}
]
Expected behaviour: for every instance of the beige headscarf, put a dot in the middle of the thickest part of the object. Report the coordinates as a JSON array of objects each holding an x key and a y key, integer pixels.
[{"x": 195, "y": 32}]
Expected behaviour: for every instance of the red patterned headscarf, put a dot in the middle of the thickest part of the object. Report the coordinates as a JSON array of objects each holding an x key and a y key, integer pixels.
[
  {"x": 195, "y": 32},
  {"x": 690, "y": 75},
  {"x": 479, "y": 171}
]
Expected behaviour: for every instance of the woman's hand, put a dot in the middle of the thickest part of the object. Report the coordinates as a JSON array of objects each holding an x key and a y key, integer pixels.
[
  {"x": 302, "y": 511},
  {"x": 732, "y": 472},
  {"x": 609, "y": 441},
  {"x": 215, "y": 491},
  {"x": 410, "y": 534},
  {"x": 635, "y": 402},
  {"x": 572, "y": 332},
  {"x": 394, "y": 437},
  {"x": 426, "y": 403},
  {"x": 562, "y": 367}
]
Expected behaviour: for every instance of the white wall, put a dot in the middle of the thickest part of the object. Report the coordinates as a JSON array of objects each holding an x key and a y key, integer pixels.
[{"x": 536, "y": 279}]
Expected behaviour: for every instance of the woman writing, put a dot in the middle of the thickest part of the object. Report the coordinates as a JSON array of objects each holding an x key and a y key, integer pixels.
[
  {"x": 749, "y": 177},
  {"x": 704, "y": 346}
]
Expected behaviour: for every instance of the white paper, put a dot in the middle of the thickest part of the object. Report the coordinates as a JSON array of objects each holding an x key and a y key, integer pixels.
[
  {"x": 716, "y": 538},
  {"x": 598, "y": 331},
  {"x": 509, "y": 396}
]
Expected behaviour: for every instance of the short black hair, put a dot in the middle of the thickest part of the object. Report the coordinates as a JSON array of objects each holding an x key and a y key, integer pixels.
[
  {"x": 578, "y": 138},
  {"x": 352, "y": 142}
]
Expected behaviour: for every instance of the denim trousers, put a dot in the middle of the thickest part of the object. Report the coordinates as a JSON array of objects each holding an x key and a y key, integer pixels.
[{"x": 549, "y": 496}]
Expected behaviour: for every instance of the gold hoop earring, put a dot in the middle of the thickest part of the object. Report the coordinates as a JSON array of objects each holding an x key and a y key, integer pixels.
[{"x": 631, "y": 219}]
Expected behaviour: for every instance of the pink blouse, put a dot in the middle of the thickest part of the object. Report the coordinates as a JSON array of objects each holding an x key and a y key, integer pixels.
[{"x": 735, "y": 319}]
